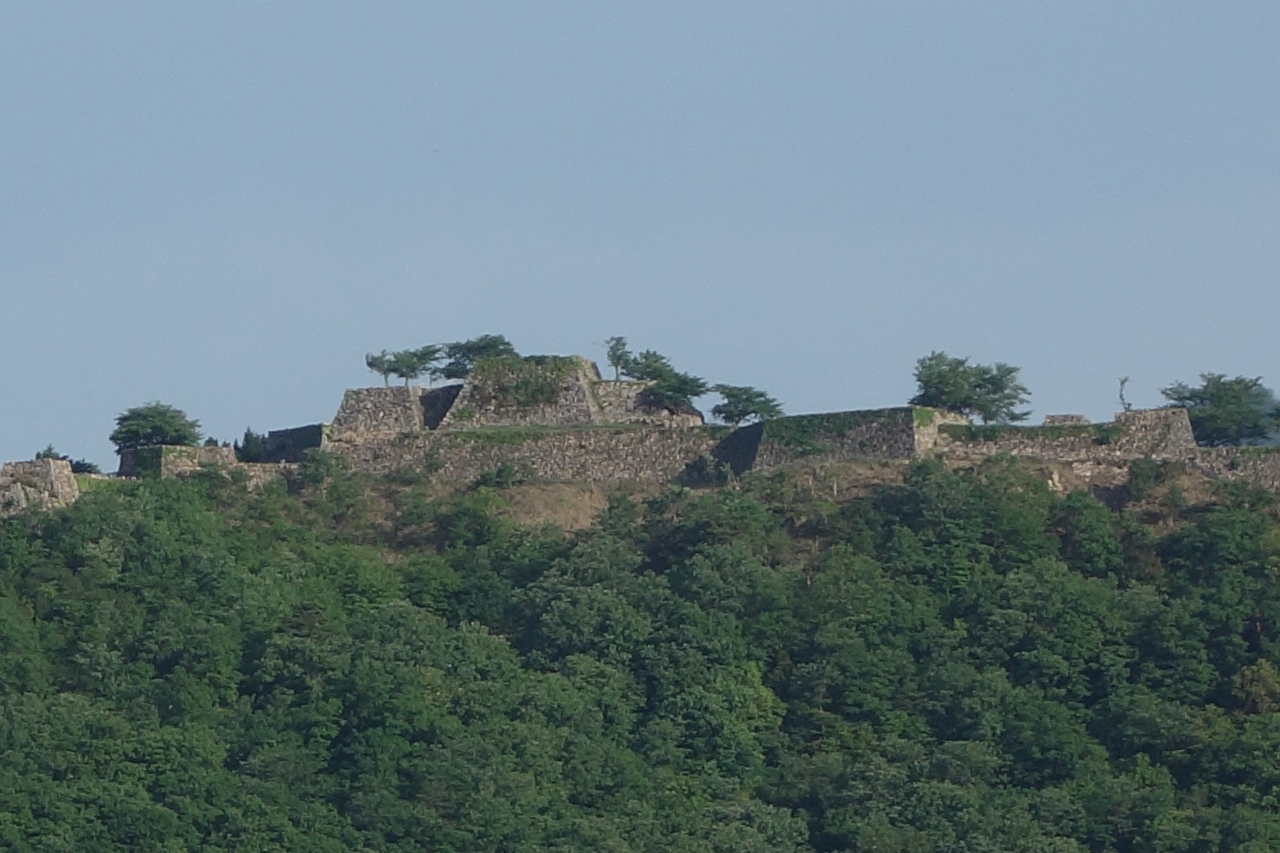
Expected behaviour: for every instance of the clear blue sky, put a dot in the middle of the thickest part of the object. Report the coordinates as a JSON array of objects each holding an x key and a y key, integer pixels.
[{"x": 223, "y": 206}]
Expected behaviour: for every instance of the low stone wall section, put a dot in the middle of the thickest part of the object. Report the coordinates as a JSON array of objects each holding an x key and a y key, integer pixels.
[
  {"x": 38, "y": 484},
  {"x": 592, "y": 454},
  {"x": 183, "y": 462},
  {"x": 1161, "y": 434},
  {"x": 1260, "y": 465}
]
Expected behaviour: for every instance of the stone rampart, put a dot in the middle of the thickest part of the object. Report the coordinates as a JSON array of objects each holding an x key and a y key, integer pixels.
[
  {"x": 1260, "y": 465},
  {"x": 377, "y": 411},
  {"x": 182, "y": 462},
  {"x": 547, "y": 391},
  {"x": 1160, "y": 434},
  {"x": 880, "y": 433},
  {"x": 592, "y": 454},
  {"x": 623, "y": 402},
  {"x": 38, "y": 484},
  {"x": 288, "y": 445}
]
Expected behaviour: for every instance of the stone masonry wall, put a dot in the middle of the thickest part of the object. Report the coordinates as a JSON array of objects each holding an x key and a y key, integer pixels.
[
  {"x": 598, "y": 454},
  {"x": 377, "y": 411},
  {"x": 622, "y": 402},
  {"x": 288, "y": 445},
  {"x": 38, "y": 484},
  {"x": 1260, "y": 465},
  {"x": 883, "y": 433},
  {"x": 182, "y": 462},
  {"x": 491, "y": 395},
  {"x": 1161, "y": 434}
]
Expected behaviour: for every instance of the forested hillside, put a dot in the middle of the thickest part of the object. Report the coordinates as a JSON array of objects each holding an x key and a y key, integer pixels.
[{"x": 962, "y": 663}]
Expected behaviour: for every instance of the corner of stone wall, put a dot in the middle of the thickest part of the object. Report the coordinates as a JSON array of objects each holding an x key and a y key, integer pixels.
[
  {"x": 37, "y": 484},
  {"x": 378, "y": 411},
  {"x": 926, "y": 424}
]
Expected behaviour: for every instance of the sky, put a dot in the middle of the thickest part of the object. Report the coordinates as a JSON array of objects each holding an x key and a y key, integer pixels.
[{"x": 224, "y": 206}]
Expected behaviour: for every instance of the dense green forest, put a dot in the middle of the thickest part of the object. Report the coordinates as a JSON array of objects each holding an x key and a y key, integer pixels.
[{"x": 964, "y": 662}]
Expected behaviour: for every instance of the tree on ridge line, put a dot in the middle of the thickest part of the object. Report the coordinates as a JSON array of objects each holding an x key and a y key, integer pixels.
[{"x": 991, "y": 392}]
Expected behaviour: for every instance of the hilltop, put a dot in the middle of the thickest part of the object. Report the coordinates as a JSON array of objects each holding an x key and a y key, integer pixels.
[{"x": 555, "y": 419}]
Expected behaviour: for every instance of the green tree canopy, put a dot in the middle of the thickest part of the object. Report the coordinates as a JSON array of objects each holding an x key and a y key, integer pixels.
[
  {"x": 412, "y": 363},
  {"x": 381, "y": 364},
  {"x": 406, "y": 364},
  {"x": 1227, "y": 411},
  {"x": 671, "y": 389},
  {"x": 463, "y": 355},
  {"x": 743, "y": 403},
  {"x": 618, "y": 355},
  {"x": 252, "y": 447},
  {"x": 154, "y": 423},
  {"x": 991, "y": 392}
]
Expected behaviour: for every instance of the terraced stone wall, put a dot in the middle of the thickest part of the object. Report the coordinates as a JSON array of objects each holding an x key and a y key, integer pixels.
[
  {"x": 589, "y": 454},
  {"x": 1161, "y": 434}
]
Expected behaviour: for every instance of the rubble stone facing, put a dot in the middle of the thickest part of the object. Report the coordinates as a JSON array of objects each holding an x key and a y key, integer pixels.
[
  {"x": 377, "y": 411},
  {"x": 1260, "y": 465},
  {"x": 182, "y": 462},
  {"x": 1161, "y": 434},
  {"x": 592, "y": 454},
  {"x": 481, "y": 404},
  {"x": 622, "y": 402},
  {"x": 38, "y": 484}
]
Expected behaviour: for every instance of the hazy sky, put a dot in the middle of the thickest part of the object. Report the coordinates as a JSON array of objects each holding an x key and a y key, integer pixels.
[{"x": 225, "y": 206}]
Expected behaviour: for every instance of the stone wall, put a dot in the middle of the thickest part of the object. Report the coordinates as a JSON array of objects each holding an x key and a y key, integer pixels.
[
  {"x": 622, "y": 402},
  {"x": 377, "y": 411},
  {"x": 38, "y": 484},
  {"x": 1260, "y": 465},
  {"x": 553, "y": 391},
  {"x": 1161, "y": 434},
  {"x": 288, "y": 445},
  {"x": 590, "y": 454},
  {"x": 182, "y": 462},
  {"x": 879, "y": 433}
]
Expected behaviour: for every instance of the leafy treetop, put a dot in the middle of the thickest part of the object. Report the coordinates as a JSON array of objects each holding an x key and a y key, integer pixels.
[
  {"x": 405, "y": 364},
  {"x": 463, "y": 355},
  {"x": 671, "y": 389},
  {"x": 744, "y": 403},
  {"x": 991, "y": 392},
  {"x": 1227, "y": 411},
  {"x": 154, "y": 423}
]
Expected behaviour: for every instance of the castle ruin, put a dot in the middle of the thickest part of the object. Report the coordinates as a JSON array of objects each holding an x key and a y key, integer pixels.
[{"x": 554, "y": 418}]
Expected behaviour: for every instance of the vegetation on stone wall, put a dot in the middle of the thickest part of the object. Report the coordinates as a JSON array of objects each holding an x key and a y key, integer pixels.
[
  {"x": 806, "y": 435},
  {"x": 1100, "y": 434},
  {"x": 522, "y": 383}
]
